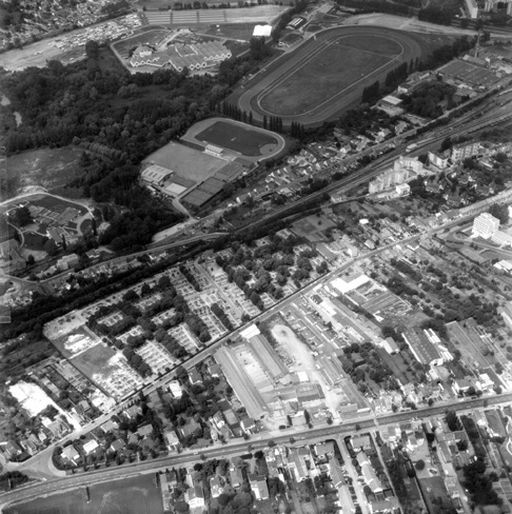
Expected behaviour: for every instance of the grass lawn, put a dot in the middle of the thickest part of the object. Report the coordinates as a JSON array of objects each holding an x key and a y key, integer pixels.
[
  {"x": 324, "y": 75},
  {"x": 235, "y": 137},
  {"x": 47, "y": 167},
  {"x": 241, "y": 31},
  {"x": 94, "y": 360},
  {"x": 34, "y": 241},
  {"x": 188, "y": 163},
  {"x": 137, "y": 495},
  {"x": 55, "y": 204}
]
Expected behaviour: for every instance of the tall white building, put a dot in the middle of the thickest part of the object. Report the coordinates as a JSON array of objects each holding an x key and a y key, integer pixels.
[
  {"x": 461, "y": 152},
  {"x": 491, "y": 5},
  {"x": 404, "y": 169},
  {"x": 485, "y": 225},
  {"x": 471, "y": 8}
]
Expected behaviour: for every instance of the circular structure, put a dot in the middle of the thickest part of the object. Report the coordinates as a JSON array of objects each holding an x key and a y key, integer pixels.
[
  {"x": 251, "y": 143},
  {"x": 327, "y": 73}
]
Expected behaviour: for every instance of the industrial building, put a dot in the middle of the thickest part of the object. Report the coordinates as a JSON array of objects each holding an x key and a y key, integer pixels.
[
  {"x": 264, "y": 353},
  {"x": 422, "y": 348},
  {"x": 241, "y": 383}
]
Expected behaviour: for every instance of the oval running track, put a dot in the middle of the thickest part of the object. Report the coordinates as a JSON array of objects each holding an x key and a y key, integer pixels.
[{"x": 281, "y": 69}]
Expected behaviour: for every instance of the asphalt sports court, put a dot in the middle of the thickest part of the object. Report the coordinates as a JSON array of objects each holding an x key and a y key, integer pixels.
[
  {"x": 239, "y": 139},
  {"x": 342, "y": 63},
  {"x": 137, "y": 495}
]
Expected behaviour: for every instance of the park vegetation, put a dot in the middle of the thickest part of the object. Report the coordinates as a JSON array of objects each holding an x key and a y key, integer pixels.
[{"x": 118, "y": 119}]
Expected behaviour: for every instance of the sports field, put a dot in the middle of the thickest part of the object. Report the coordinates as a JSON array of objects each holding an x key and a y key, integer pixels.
[
  {"x": 326, "y": 74},
  {"x": 238, "y": 139},
  {"x": 128, "y": 496},
  {"x": 243, "y": 140},
  {"x": 188, "y": 163},
  {"x": 338, "y": 64}
]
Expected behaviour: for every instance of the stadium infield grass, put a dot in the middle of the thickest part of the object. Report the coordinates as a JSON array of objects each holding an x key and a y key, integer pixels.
[
  {"x": 326, "y": 74},
  {"x": 237, "y": 138}
]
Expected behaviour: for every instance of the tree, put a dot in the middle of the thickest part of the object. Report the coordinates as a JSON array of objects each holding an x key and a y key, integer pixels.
[
  {"x": 22, "y": 216},
  {"x": 453, "y": 421},
  {"x": 500, "y": 212},
  {"x": 446, "y": 144},
  {"x": 50, "y": 247},
  {"x": 30, "y": 260},
  {"x": 92, "y": 49},
  {"x": 420, "y": 465},
  {"x": 479, "y": 484}
]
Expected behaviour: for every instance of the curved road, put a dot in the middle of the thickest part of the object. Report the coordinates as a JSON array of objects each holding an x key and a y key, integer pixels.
[
  {"x": 280, "y": 70},
  {"x": 59, "y": 485}
]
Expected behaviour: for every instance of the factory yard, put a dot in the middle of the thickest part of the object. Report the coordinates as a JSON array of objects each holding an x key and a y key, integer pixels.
[{"x": 304, "y": 362}]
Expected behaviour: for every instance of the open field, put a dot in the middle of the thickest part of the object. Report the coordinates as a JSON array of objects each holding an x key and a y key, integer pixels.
[
  {"x": 326, "y": 74},
  {"x": 94, "y": 360},
  {"x": 137, "y": 495},
  {"x": 46, "y": 167}
]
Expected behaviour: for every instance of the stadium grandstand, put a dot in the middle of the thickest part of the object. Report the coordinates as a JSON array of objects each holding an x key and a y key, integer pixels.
[
  {"x": 155, "y": 175},
  {"x": 252, "y": 13}
]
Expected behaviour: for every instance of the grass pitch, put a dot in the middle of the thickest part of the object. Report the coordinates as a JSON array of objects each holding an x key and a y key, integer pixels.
[
  {"x": 326, "y": 74},
  {"x": 242, "y": 140}
]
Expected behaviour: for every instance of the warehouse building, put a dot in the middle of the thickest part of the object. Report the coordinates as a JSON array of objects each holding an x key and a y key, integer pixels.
[
  {"x": 422, "y": 349},
  {"x": 241, "y": 383}
]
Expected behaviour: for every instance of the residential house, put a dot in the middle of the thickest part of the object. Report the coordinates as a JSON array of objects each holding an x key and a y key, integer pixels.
[
  {"x": 171, "y": 440},
  {"x": 259, "y": 486},
  {"x": 69, "y": 454}
]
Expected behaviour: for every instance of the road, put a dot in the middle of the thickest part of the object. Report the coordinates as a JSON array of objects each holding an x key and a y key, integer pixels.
[
  {"x": 39, "y": 464},
  {"x": 308, "y": 436},
  {"x": 365, "y": 174},
  {"x": 117, "y": 260},
  {"x": 356, "y": 179},
  {"x": 40, "y": 461}
]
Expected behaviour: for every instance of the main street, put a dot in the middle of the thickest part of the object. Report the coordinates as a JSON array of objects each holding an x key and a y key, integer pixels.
[
  {"x": 260, "y": 441},
  {"x": 40, "y": 465}
]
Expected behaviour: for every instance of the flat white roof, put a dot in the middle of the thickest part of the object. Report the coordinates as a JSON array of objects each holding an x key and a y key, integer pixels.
[
  {"x": 393, "y": 100},
  {"x": 344, "y": 287},
  {"x": 262, "y": 31},
  {"x": 250, "y": 331}
]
